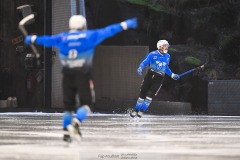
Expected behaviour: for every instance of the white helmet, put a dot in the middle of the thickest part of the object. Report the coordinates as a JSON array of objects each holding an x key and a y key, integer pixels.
[
  {"x": 161, "y": 43},
  {"x": 77, "y": 22}
]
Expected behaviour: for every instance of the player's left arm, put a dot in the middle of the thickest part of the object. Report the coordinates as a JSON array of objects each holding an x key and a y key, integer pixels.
[{"x": 170, "y": 73}]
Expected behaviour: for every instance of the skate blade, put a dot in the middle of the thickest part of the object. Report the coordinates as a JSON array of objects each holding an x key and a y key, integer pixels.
[{"x": 133, "y": 116}]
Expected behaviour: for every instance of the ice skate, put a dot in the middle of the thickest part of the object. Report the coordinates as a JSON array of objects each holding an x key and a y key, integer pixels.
[
  {"x": 74, "y": 129},
  {"x": 133, "y": 113},
  {"x": 139, "y": 114},
  {"x": 66, "y": 137}
]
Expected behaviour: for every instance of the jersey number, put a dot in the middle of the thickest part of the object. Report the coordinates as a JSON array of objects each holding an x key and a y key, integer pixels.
[{"x": 72, "y": 54}]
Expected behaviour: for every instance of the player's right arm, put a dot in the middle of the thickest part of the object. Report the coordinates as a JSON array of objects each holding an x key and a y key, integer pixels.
[
  {"x": 144, "y": 63},
  {"x": 98, "y": 35}
]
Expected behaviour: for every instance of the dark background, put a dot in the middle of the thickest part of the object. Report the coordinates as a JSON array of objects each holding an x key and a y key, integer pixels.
[
  {"x": 195, "y": 29},
  {"x": 13, "y": 73}
]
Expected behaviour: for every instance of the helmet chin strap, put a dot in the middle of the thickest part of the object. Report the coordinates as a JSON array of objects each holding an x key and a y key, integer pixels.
[{"x": 163, "y": 51}]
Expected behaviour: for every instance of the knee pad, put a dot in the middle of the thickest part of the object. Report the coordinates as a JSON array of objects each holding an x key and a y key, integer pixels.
[{"x": 83, "y": 112}]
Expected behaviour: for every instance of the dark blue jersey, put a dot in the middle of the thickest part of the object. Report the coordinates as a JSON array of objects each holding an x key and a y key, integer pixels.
[
  {"x": 157, "y": 62},
  {"x": 77, "y": 48}
]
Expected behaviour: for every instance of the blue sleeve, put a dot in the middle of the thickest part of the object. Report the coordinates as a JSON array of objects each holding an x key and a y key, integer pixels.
[
  {"x": 146, "y": 61},
  {"x": 168, "y": 70},
  {"x": 99, "y": 35},
  {"x": 48, "y": 41}
]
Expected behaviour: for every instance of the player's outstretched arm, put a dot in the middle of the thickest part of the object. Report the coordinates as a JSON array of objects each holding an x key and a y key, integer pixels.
[
  {"x": 98, "y": 35},
  {"x": 47, "y": 41},
  {"x": 130, "y": 23}
]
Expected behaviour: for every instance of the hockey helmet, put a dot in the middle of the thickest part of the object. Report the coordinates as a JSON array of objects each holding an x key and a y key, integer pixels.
[
  {"x": 161, "y": 43},
  {"x": 77, "y": 22}
]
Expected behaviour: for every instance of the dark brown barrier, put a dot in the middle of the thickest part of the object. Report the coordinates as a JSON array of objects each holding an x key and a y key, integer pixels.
[
  {"x": 115, "y": 71},
  {"x": 224, "y": 97}
]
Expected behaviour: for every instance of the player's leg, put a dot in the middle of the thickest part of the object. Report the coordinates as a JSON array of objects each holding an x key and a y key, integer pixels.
[
  {"x": 81, "y": 84},
  {"x": 137, "y": 107},
  {"x": 81, "y": 114},
  {"x": 69, "y": 104},
  {"x": 84, "y": 90},
  {"x": 156, "y": 84},
  {"x": 146, "y": 84},
  {"x": 85, "y": 96},
  {"x": 67, "y": 120},
  {"x": 145, "y": 105}
]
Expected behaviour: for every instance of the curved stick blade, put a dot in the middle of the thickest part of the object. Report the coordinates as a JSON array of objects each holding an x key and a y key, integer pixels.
[
  {"x": 24, "y": 31},
  {"x": 26, "y": 19}
]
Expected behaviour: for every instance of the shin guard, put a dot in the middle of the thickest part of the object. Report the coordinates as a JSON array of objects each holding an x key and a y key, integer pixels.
[
  {"x": 67, "y": 119},
  {"x": 139, "y": 104},
  {"x": 146, "y": 103}
]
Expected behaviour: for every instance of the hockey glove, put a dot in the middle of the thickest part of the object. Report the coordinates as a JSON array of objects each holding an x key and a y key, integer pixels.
[
  {"x": 200, "y": 68},
  {"x": 30, "y": 39},
  {"x": 139, "y": 70},
  {"x": 175, "y": 76},
  {"x": 130, "y": 23}
]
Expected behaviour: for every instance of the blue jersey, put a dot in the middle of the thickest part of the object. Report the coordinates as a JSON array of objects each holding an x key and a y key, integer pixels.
[
  {"x": 77, "y": 48},
  {"x": 157, "y": 62}
]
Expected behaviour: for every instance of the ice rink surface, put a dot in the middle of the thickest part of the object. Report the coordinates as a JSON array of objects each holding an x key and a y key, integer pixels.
[{"x": 38, "y": 136}]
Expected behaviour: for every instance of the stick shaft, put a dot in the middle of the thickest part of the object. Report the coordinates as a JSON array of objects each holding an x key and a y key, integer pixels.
[
  {"x": 187, "y": 72},
  {"x": 197, "y": 68}
]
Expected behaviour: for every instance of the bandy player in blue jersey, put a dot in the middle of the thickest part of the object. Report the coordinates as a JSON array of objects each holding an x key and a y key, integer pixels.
[
  {"x": 158, "y": 62},
  {"x": 76, "y": 50}
]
